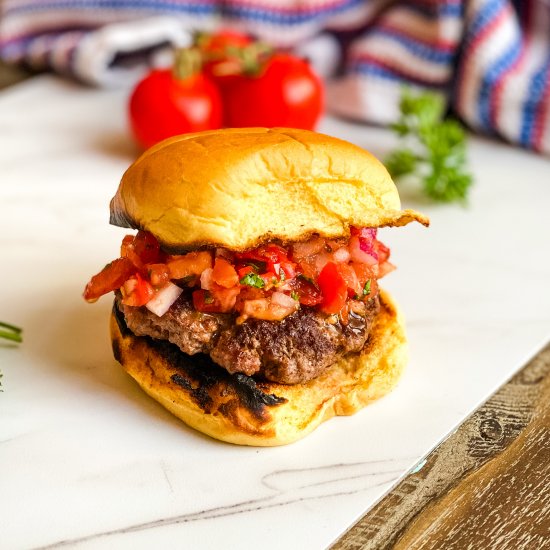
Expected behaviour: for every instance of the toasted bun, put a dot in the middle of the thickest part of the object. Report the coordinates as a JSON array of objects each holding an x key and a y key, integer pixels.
[
  {"x": 237, "y": 188},
  {"x": 239, "y": 410}
]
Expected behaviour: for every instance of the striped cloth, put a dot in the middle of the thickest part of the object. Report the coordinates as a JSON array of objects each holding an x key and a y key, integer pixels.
[{"x": 489, "y": 58}]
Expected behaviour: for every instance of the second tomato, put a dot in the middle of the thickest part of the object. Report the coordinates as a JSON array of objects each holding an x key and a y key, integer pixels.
[
  {"x": 286, "y": 93},
  {"x": 164, "y": 104}
]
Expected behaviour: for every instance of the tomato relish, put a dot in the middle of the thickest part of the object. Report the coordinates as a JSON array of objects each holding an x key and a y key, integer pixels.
[{"x": 268, "y": 282}]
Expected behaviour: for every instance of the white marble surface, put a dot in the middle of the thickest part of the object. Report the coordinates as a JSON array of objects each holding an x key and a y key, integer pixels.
[{"x": 89, "y": 461}]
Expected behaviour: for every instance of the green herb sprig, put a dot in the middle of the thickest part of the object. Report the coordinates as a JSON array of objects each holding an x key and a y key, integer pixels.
[
  {"x": 252, "y": 279},
  {"x": 11, "y": 332},
  {"x": 434, "y": 148}
]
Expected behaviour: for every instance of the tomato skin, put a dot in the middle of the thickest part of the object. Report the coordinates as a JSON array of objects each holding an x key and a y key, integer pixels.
[
  {"x": 224, "y": 274},
  {"x": 333, "y": 288},
  {"x": 271, "y": 255},
  {"x": 218, "y": 300},
  {"x": 308, "y": 293},
  {"x": 111, "y": 277},
  {"x": 193, "y": 263},
  {"x": 147, "y": 247},
  {"x": 287, "y": 93},
  {"x": 158, "y": 274},
  {"x": 162, "y": 106},
  {"x": 136, "y": 291}
]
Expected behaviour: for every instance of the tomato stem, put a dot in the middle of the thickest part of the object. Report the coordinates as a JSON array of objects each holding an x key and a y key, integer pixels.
[
  {"x": 253, "y": 57},
  {"x": 187, "y": 63}
]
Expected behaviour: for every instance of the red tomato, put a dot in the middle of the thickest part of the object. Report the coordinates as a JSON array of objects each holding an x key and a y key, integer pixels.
[
  {"x": 308, "y": 293},
  {"x": 158, "y": 274},
  {"x": 286, "y": 93},
  {"x": 243, "y": 271},
  {"x": 267, "y": 257},
  {"x": 136, "y": 291},
  {"x": 146, "y": 247},
  {"x": 219, "y": 300},
  {"x": 193, "y": 263},
  {"x": 111, "y": 277},
  {"x": 382, "y": 250},
  {"x": 333, "y": 288},
  {"x": 347, "y": 273},
  {"x": 162, "y": 106},
  {"x": 224, "y": 273}
]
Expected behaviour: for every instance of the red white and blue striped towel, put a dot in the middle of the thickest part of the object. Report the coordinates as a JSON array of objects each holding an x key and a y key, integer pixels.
[{"x": 491, "y": 58}]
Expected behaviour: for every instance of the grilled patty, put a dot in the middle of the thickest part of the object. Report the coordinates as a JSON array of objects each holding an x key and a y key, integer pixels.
[{"x": 294, "y": 350}]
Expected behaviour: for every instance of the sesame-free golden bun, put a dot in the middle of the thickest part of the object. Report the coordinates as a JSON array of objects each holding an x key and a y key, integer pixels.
[
  {"x": 238, "y": 188},
  {"x": 239, "y": 410}
]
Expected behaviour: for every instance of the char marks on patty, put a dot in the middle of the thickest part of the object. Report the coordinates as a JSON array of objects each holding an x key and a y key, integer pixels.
[{"x": 294, "y": 350}]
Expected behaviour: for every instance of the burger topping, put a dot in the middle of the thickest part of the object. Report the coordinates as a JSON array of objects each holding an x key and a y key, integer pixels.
[{"x": 269, "y": 282}]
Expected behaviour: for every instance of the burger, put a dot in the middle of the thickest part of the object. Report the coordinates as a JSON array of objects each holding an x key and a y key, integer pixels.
[{"x": 248, "y": 302}]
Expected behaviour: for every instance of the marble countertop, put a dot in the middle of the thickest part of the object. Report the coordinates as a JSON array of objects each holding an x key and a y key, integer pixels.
[{"x": 88, "y": 460}]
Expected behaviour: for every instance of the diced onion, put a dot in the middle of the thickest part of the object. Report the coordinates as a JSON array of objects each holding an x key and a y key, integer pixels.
[
  {"x": 283, "y": 300},
  {"x": 309, "y": 248},
  {"x": 206, "y": 279},
  {"x": 321, "y": 261},
  {"x": 342, "y": 255},
  {"x": 359, "y": 255},
  {"x": 266, "y": 310},
  {"x": 164, "y": 298}
]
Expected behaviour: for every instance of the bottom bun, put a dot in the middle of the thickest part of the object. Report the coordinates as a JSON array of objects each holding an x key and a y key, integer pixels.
[{"x": 241, "y": 410}]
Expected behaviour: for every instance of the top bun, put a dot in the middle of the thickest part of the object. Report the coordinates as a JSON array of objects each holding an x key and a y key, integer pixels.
[{"x": 240, "y": 187}]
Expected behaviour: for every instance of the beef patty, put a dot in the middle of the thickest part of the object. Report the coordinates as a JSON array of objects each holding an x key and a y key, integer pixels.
[{"x": 294, "y": 350}]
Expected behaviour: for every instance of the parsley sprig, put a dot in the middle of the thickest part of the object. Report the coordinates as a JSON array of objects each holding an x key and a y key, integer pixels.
[
  {"x": 252, "y": 279},
  {"x": 11, "y": 332},
  {"x": 434, "y": 148}
]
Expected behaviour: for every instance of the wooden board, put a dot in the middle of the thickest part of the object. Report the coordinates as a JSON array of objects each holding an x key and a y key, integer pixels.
[{"x": 486, "y": 486}]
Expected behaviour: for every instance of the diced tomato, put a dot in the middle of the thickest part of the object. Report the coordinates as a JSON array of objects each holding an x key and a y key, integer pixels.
[
  {"x": 111, "y": 277},
  {"x": 268, "y": 254},
  {"x": 224, "y": 274},
  {"x": 306, "y": 249},
  {"x": 265, "y": 309},
  {"x": 127, "y": 242},
  {"x": 308, "y": 293},
  {"x": 204, "y": 301},
  {"x": 226, "y": 297},
  {"x": 218, "y": 300},
  {"x": 385, "y": 268},
  {"x": 269, "y": 279},
  {"x": 364, "y": 274},
  {"x": 127, "y": 251},
  {"x": 136, "y": 291},
  {"x": 382, "y": 251},
  {"x": 333, "y": 288},
  {"x": 348, "y": 274},
  {"x": 193, "y": 263},
  {"x": 158, "y": 274},
  {"x": 141, "y": 249},
  {"x": 308, "y": 267},
  {"x": 333, "y": 275},
  {"x": 289, "y": 269},
  {"x": 147, "y": 247},
  {"x": 243, "y": 271}
]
